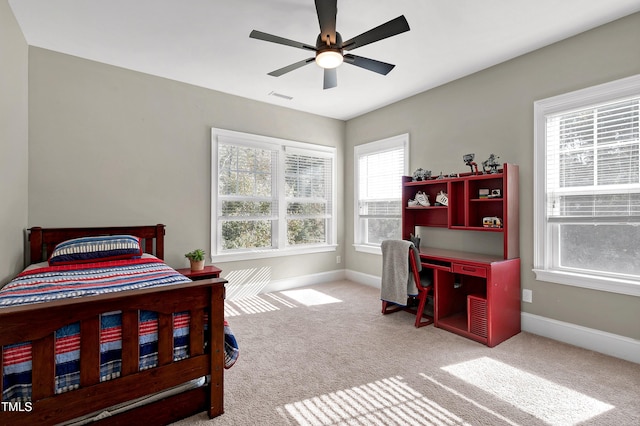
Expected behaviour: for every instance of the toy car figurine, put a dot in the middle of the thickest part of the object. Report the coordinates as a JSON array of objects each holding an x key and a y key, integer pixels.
[{"x": 491, "y": 222}]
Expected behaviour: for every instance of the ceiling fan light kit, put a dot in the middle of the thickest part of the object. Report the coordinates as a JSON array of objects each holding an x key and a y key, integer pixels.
[
  {"x": 329, "y": 59},
  {"x": 329, "y": 46}
]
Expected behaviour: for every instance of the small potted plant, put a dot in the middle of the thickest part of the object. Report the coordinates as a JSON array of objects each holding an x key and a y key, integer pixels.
[{"x": 196, "y": 258}]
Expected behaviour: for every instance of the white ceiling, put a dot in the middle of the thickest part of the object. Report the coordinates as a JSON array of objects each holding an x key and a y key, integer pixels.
[{"x": 206, "y": 42}]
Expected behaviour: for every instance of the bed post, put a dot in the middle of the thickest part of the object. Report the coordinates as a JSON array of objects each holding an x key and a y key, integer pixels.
[
  {"x": 216, "y": 337},
  {"x": 160, "y": 241},
  {"x": 35, "y": 240},
  {"x": 1, "y": 371}
]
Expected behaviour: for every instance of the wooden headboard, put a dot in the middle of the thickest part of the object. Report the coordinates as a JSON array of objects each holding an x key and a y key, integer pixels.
[{"x": 43, "y": 240}]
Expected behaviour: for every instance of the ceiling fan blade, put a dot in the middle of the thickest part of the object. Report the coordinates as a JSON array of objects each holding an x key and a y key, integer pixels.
[
  {"x": 330, "y": 78},
  {"x": 280, "y": 40},
  {"x": 327, "y": 10},
  {"x": 388, "y": 29},
  {"x": 295, "y": 66},
  {"x": 368, "y": 64}
]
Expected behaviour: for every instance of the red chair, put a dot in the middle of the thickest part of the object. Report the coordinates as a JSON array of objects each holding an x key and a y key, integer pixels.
[{"x": 424, "y": 284}]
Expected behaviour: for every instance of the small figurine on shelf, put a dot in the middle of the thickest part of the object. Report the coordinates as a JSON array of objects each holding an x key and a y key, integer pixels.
[
  {"x": 491, "y": 222},
  {"x": 468, "y": 160},
  {"x": 490, "y": 165},
  {"x": 421, "y": 174}
]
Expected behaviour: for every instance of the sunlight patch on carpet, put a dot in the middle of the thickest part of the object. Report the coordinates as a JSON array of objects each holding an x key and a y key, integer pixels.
[
  {"x": 310, "y": 297},
  {"x": 248, "y": 305},
  {"x": 471, "y": 401},
  {"x": 266, "y": 302},
  {"x": 552, "y": 403},
  {"x": 246, "y": 282},
  {"x": 383, "y": 402}
]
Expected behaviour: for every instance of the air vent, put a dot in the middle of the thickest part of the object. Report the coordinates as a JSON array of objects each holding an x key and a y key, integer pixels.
[
  {"x": 477, "y": 322},
  {"x": 280, "y": 95}
]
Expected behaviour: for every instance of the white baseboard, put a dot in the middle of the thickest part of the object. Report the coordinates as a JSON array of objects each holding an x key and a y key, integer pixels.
[
  {"x": 366, "y": 279},
  {"x": 304, "y": 280},
  {"x": 588, "y": 338}
]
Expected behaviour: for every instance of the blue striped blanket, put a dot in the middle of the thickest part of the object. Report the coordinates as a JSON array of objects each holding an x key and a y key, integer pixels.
[{"x": 49, "y": 283}]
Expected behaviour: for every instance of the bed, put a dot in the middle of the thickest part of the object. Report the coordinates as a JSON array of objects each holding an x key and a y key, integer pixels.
[{"x": 197, "y": 306}]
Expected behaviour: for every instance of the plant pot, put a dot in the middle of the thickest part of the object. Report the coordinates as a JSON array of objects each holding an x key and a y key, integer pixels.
[{"x": 197, "y": 265}]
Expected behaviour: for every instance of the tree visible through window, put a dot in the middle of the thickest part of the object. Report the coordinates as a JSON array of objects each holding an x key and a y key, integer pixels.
[{"x": 246, "y": 196}]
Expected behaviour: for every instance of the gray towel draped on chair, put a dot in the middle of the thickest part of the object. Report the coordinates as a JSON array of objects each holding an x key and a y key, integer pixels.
[{"x": 397, "y": 281}]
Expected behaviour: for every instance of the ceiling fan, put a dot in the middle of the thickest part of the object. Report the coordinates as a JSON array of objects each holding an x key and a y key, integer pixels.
[{"x": 329, "y": 45}]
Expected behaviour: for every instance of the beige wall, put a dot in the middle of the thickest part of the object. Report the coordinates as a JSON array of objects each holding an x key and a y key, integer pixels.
[
  {"x": 109, "y": 146},
  {"x": 13, "y": 143},
  {"x": 492, "y": 112}
]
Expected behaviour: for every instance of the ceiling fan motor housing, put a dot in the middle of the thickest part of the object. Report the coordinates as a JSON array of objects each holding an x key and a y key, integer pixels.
[
  {"x": 329, "y": 55},
  {"x": 325, "y": 42}
]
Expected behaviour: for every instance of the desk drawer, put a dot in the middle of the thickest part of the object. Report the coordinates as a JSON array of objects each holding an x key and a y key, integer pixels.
[{"x": 477, "y": 271}]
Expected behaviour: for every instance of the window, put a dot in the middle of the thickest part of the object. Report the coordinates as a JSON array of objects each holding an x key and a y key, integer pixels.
[
  {"x": 270, "y": 196},
  {"x": 379, "y": 167},
  {"x": 587, "y": 188}
]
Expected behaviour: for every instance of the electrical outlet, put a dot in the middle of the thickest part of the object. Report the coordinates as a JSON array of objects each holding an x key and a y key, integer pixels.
[
  {"x": 527, "y": 295},
  {"x": 338, "y": 259}
]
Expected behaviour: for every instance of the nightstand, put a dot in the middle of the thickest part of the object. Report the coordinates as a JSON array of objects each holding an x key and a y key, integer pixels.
[{"x": 209, "y": 271}]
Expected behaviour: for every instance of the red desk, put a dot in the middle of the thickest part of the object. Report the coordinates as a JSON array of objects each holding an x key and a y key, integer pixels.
[{"x": 476, "y": 296}]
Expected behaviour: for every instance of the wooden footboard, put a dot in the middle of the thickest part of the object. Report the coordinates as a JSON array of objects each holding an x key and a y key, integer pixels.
[{"x": 37, "y": 323}]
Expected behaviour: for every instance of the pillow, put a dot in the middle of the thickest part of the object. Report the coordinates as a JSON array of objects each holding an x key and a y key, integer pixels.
[{"x": 96, "y": 249}]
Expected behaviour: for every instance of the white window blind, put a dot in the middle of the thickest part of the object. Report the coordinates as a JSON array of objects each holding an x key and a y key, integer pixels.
[
  {"x": 379, "y": 169},
  {"x": 593, "y": 164},
  {"x": 381, "y": 184},
  {"x": 308, "y": 190}
]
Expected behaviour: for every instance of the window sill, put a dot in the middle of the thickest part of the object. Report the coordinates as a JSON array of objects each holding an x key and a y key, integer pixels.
[
  {"x": 612, "y": 285},
  {"x": 368, "y": 249},
  {"x": 262, "y": 254}
]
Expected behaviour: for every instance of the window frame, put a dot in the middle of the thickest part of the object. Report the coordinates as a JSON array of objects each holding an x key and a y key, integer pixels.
[
  {"x": 279, "y": 234},
  {"x": 546, "y": 240},
  {"x": 391, "y": 143}
]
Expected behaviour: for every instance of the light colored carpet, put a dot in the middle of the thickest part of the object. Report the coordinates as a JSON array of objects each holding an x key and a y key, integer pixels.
[{"x": 325, "y": 355}]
